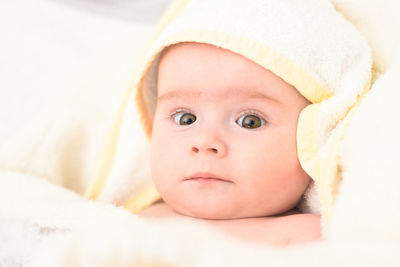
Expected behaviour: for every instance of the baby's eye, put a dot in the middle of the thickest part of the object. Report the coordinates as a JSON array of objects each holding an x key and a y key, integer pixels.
[
  {"x": 184, "y": 118},
  {"x": 250, "y": 121}
]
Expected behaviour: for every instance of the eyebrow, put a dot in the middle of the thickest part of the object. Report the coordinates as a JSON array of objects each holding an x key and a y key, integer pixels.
[{"x": 253, "y": 94}]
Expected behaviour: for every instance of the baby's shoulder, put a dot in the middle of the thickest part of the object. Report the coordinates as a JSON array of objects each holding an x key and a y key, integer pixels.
[{"x": 301, "y": 227}]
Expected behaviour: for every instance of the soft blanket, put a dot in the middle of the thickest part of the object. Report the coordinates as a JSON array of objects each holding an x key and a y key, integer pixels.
[{"x": 52, "y": 129}]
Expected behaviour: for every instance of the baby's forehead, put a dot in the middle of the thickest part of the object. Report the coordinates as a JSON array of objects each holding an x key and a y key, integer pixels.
[
  {"x": 198, "y": 69},
  {"x": 205, "y": 49}
]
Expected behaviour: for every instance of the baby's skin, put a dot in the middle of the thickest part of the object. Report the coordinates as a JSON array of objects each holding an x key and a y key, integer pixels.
[
  {"x": 285, "y": 229},
  {"x": 223, "y": 146}
]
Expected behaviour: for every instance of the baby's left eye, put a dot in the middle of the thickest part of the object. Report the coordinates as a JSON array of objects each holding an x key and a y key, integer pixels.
[
  {"x": 184, "y": 118},
  {"x": 250, "y": 121}
]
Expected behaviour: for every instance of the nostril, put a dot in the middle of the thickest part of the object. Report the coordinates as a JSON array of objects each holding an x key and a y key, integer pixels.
[
  {"x": 208, "y": 150},
  {"x": 214, "y": 150}
]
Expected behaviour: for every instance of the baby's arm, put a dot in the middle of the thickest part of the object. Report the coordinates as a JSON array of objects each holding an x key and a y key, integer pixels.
[{"x": 278, "y": 230}]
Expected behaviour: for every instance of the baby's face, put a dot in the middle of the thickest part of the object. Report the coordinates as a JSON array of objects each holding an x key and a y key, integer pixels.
[{"x": 224, "y": 136}]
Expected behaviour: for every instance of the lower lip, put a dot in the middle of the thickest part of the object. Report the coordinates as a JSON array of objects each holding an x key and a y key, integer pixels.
[{"x": 206, "y": 180}]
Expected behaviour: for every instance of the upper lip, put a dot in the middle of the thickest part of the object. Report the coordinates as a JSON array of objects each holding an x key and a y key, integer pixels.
[{"x": 206, "y": 175}]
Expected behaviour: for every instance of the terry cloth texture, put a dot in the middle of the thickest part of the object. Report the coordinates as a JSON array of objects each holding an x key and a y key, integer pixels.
[
  {"x": 51, "y": 146},
  {"x": 307, "y": 43}
]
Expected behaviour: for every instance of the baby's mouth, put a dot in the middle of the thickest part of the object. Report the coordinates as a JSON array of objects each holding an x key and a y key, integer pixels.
[{"x": 206, "y": 177}]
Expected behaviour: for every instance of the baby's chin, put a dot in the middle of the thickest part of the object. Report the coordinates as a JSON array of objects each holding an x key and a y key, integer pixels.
[
  {"x": 195, "y": 210},
  {"x": 222, "y": 205}
]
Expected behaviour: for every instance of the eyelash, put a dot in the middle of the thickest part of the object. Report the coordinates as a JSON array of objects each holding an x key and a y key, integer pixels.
[
  {"x": 178, "y": 111},
  {"x": 251, "y": 112}
]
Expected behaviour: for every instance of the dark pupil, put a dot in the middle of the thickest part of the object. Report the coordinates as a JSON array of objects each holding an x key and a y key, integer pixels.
[
  {"x": 187, "y": 119},
  {"x": 251, "y": 121}
]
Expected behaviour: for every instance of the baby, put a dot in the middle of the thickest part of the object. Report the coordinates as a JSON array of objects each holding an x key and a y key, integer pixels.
[
  {"x": 245, "y": 102},
  {"x": 224, "y": 146}
]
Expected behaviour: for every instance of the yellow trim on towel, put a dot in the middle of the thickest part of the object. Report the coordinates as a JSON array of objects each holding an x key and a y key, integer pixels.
[
  {"x": 327, "y": 172},
  {"x": 145, "y": 198},
  {"x": 108, "y": 154},
  {"x": 307, "y": 140}
]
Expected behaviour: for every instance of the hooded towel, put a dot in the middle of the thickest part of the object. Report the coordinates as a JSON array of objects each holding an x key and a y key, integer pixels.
[{"x": 307, "y": 43}]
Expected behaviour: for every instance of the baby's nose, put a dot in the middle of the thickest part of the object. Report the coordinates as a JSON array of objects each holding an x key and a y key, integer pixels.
[{"x": 213, "y": 147}]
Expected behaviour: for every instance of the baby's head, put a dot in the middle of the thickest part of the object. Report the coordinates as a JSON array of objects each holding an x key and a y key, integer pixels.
[
  {"x": 234, "y": 98},
  {"x": 224, "y": 135}
]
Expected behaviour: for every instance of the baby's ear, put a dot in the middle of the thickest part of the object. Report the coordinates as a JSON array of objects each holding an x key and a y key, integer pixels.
[{"x": 310, "y": 202}]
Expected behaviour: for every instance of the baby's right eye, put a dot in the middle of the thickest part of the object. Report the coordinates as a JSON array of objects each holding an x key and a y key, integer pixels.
[{"x": 184, "y": 118}]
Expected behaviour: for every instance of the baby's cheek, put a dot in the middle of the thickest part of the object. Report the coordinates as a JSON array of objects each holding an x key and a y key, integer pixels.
[
  {"x": 164, "y": 162},
  {"x": 158, "y": 155}
]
